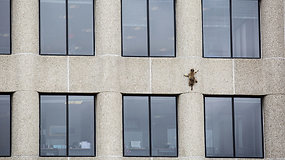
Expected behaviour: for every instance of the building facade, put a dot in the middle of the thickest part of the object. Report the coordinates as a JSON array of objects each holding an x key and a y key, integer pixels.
[{"x": 26, "y": 75}]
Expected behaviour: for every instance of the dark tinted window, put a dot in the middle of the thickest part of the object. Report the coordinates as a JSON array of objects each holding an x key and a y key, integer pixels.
[
  {"x": 161, "y": 27},
  {"x": 80, "y": 27},
  {"x": 216, "y": 28},
  {"x": 81, "y": 125},
  {"x": 59, "y": 30},
  {"x": 136, "y": 126},
  {"x": 233, "y": 127},
  {"x": 150, "y": 126},
  {"x": 5, "y": 125},
  {"x": 220, "y": 18},
  {"x": 148, "y": 28},
  {"x": 67, "y": 116},
  {"x": 163, "y": 126},
  {"x": 219, "y": 135},
  {"x": 4, "y": 26},
  {"x": 245, "y": 28},
  {"x": 53, "y": 126},
  {"x": 53, "y": 26},
  {"x": 248, "y": 127},
  {"x": 134, "y": 29}
]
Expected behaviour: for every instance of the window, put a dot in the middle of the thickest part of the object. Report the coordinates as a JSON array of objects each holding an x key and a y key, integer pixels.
[
  {"x": 231, "y": 28},
  {"x": 5, "y": 125},
  {"x": 233, "y": 127},
  {"x": 67, "y": 120},
  {"x": 148, "y": 28},
  {"x": 150, "y": 126},
  {"x": 5, "y": 38},
  {"x": 73, "y": 35}
]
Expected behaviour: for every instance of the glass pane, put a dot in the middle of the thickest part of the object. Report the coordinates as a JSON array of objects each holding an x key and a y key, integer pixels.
[
  {"x": 53, "y": 26},
  {"x": 163, "y": 126},
  {"x": 216, "y": 28},
  {"x": 53, "y": 125},
  {"x": 248, "y": 127},
  {"x": 136, "y": 126},
  {"x": 5, "y": 125},
  {"x": 134, "y": 21},
  {"x": 81, "y": 125},
  {"x": 161, "y": 27},
  {"x": 245, "y": 28},
  {"x": 219, "y": 135},
  {"x": 80, "y": 27},
  {"x": 4, "y": 26}
]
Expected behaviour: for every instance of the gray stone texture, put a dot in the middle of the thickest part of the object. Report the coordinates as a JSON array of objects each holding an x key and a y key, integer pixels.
[
  {"x": 25, "y": 123},
  {"x": 109, "y": 124}
]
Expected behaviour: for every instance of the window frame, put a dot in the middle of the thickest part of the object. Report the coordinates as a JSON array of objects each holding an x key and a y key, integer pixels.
[
  {"x": 149, "y": 120},
  {"x": 10, "y": 26},
  {"x": 148, "y": 33},
  {"x": 231, "y": 34},
  {"x": 233, "y": 124},
  {"x": 66, "y": 31},
  {"x": 10, "y": 118},
  {"x": 67, "y": 122}
]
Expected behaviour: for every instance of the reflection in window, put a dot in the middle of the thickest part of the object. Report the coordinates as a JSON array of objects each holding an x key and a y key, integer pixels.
[
  {"x": 58, "y": 32},
  {"x": 150, "y": 126},
  {"x": 61, "y": 120},
  {"x": 220, "y": 18},
  {"x": 5, "y": 126},
  {"x": 5, "y": 27},
  {"x": 233, "y": 127},
  {"x": 148, "y": 28}
]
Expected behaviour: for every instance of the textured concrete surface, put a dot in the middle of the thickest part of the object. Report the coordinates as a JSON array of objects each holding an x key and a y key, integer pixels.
[
  {"x": 168, "y": 75},
  {"x": 274, "y": 76},
  {"x": 109, "y": 124},
  {"x": 248, "y": 78},
  {"x": 25, "y": 123},
  {"x": 26, "y": 73},
  {"x": 274, "y": 124},
  {"x": 134, "y": 74},
  {"x": 191, "y": 125},
  {"x": 94, "y": 74},
  {"x": 7, "y": 73},
  {"x": 272, "y": 28},
  {"x": 108, "y": 27},
  {"x": 25, "y": 68},
  {"x": 188, "y": 28},
  {"x": 217, "y": 76},
  {"x": 52, "y": 74},
  {"x": 84, "y": 74},
  {"x": 25, "y": 26}
]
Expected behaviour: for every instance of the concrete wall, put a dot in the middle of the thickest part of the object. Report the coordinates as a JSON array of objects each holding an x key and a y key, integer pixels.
[{"x": 107, "y": 74}]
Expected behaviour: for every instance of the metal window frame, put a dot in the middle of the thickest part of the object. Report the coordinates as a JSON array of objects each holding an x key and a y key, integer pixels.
[
  {"x": 67, "y": 123},
  {"x": 233, "y": 124},
  {"x": 10, "y": 27},
  {"x": 148, "y": 33},
  {"x": 231, "y": 39},
  {"x": 10, "y": 94},
  {"x": 149, "y": 114},
  {"x": 66, "y": 32}
]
